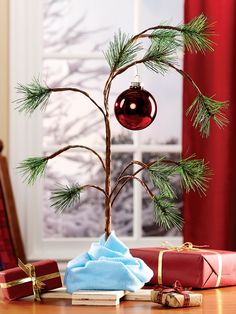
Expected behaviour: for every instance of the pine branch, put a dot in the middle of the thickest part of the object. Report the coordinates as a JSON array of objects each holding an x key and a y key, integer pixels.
[
  {"x": 160, "y": 53},
  {"x": 37, "y": 95},
  {"x": 168, "y": 37},
  {"x": 77, "y": 90},
  {"x": 62, "y": 150},
  {"x": 32, "y": 168},
  {"x": 122, "y": 50},
  {"x": 159, "y": 175},
  {"x": 133, "y": 162},
  {"x": 196, "y": 34},
  {"x": 195, "y": 174},
  {"x": 124, "y": 180},
  {"x": 166, "y": 214},
  {"x": 34, "y": 95},
  {"x": 65, "y": 197},
  {"x": 203, "y": 110}
]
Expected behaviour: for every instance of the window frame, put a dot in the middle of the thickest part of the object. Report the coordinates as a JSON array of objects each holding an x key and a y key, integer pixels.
[{"x": 25, "y": 31}]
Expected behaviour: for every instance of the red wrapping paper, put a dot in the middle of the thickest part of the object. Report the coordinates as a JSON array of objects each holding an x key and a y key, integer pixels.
[
  {"x": 25, "y": 289},
  {"x": 196, "y": 269}
]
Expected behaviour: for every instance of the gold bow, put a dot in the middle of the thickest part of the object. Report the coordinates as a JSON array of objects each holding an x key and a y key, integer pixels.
[
  {"x": 37, "y": 284},
  {"x": 187, "y": 246}
]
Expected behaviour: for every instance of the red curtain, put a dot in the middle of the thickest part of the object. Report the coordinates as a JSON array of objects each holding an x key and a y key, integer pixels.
[{"x": 211, "y": 219}]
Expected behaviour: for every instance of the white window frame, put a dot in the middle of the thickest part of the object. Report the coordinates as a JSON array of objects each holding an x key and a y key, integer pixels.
[{"x": 26, "y": 140}]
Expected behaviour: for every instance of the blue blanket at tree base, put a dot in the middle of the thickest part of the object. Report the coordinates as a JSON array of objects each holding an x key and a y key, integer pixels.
[{"x": 108, "y": 265}]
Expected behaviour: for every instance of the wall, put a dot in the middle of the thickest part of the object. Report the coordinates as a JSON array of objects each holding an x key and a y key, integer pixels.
[{"x": 4, "y": 74}]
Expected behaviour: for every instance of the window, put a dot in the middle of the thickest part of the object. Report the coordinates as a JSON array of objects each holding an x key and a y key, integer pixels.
[{"x": 64, "y": 40}]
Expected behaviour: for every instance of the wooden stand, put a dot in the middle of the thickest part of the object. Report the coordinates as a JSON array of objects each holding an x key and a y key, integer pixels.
[{"x": 97, "y": 297}]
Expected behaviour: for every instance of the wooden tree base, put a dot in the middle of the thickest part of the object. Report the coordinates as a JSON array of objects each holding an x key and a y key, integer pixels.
[{"x": 98, "y": 297}]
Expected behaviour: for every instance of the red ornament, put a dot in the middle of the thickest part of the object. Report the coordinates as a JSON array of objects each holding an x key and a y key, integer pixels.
[{"x": 135, "y": 108}]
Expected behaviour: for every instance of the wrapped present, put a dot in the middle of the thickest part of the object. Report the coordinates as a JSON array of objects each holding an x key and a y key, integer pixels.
[
  {"x": 194, "y": 267},
  {"x": 176, "y": 296},
  {"x": 30, "y": 279}
]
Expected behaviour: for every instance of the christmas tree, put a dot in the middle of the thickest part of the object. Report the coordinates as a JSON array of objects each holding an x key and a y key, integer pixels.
[{"x": 123, "y": 53}]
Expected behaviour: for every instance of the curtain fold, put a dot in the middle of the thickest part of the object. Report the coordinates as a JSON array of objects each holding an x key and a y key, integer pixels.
[{"x": 211, "y": 219}]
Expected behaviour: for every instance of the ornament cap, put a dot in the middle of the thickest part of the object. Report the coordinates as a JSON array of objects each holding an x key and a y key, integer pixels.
[{"x": 135, "y": 84}]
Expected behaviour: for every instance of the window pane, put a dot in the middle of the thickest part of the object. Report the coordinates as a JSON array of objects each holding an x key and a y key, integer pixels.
[
  {"x": 82, "y": 26},
  {"x": 167, "y": 91},
  {"x": 154, "y": 12},
  {"x": 71, "y": 117},
  {"x": 123, "y": 205},
  {"x": 149, "y": 227},
  {"x": 87, "y": 218}
]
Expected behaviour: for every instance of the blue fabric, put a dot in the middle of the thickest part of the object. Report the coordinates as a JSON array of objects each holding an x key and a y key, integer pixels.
[{"x": 108, "y": 265}]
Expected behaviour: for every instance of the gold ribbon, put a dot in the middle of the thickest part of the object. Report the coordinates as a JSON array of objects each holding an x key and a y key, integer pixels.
[
  {"x": 187, "y": 246},
  {"x": 37, "y": 282}
]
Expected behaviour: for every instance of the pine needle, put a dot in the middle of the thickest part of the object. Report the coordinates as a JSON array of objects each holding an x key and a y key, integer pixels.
[
  {"x": 160, "y": 53},
  {"x": 34, "y": 95},
  {"x": 168, "y": 37},
  {"x": 32, "y": 168},
  {"x": 65, "y": 197},
  {"x": 122, "y": 51},
  {"x": 196, "y": 34},
  {"x": 195, "y": 174},
  {"x": 203, "y": 110},
  {"x": 159, "y": 175},
  {"x": 166, "y": 214}
]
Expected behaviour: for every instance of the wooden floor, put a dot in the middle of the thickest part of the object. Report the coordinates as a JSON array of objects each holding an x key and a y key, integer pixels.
[{"x": 215, "y": 301}]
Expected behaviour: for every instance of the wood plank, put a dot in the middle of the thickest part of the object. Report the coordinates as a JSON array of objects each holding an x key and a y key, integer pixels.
[
  {"x": 98, "y": 295},
  {"x": 96, "y": 302},
  {"x": 140, "y": 295},
  {"x": 60, "y": 293}
]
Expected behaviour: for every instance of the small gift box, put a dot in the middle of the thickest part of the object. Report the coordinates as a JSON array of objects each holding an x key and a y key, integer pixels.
[
  {"x": 176, "y": 296},
  {"x": 30, "y": 279},
  {"x": 194, "y": 267}
]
